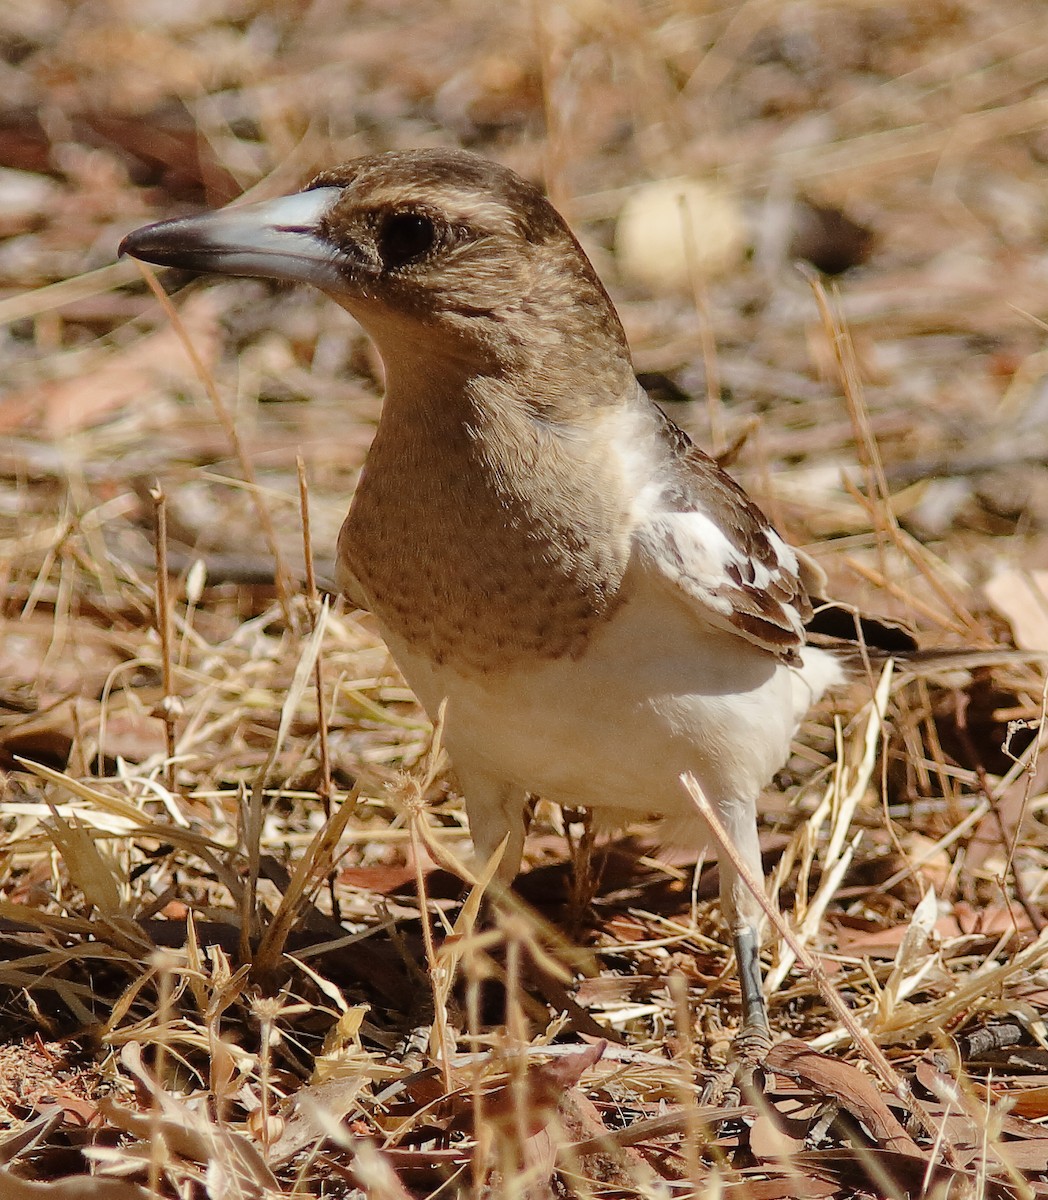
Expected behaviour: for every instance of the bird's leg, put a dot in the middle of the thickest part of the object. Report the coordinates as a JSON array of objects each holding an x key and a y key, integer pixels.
[
  {"x": 751, "y": 1044},
  {"x": 743, "y": 915},
  {"x": 754, "y": 1039}
]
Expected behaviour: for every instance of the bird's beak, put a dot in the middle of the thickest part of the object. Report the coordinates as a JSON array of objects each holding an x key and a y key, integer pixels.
[{"x": 274, "y": 239}]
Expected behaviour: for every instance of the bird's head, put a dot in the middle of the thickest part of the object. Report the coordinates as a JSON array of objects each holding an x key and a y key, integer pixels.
[{"x": 435, "y": 252}]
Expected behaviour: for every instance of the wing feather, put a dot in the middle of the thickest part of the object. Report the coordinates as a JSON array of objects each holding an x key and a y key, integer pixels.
[{"x": 706, "y": 537}]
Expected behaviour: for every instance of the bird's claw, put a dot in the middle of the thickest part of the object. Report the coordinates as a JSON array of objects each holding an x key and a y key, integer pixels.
[{"x": 742, "y": 1080}]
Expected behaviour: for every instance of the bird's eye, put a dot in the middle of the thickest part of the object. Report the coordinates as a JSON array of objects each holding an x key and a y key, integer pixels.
[{"x": 404, "y": 237}]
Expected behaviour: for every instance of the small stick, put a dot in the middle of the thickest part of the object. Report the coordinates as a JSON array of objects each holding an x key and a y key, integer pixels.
[
  {"x": 162, "y": 967},
  {"x": 436, "y": 969},
  {"x": 1032, "y": 912},
  {"x": 170, "y": 707},
  {"x": 325, "y": 789},
  {"x": 692, "y": 1126}
]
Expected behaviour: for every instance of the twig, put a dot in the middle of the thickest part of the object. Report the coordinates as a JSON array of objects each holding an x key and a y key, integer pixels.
[
  {"x": 1032, "y": 912},
  {"x": 439, "y": 1031},
  {"x": 325, "y": 789},
  {"x": 161, "y": 968},
  {"x": 170, "y": 707}
]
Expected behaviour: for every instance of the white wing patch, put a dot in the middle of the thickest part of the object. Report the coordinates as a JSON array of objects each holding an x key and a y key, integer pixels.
[
  {"x": 699, "y": 530},
  {"x": 739, "y": 570},
  {"x": 754, "y": 597},
  {"x": 690, "y": 549},
  {"x": 786, "y": 560}
]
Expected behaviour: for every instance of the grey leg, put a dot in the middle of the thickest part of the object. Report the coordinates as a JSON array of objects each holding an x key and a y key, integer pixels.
[
  {"x": 743, "y": 915},
  {"x": 754, "y": 1038}
]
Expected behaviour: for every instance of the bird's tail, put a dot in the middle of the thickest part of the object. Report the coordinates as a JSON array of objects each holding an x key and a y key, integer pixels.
[{"x": 860, "y": 640}]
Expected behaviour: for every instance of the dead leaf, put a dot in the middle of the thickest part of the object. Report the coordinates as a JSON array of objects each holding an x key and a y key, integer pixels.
[
  {"x": 545, "y": 1083},
  {"x": 1021, "y": 597},
  {"x": 852, "y": 1090}
]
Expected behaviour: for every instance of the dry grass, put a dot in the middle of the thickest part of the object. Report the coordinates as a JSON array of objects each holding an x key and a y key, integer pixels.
[{"x": 234, "y": 964}]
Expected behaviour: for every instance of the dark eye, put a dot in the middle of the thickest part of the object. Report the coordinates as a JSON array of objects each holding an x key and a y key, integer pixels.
[{"x": 404, "y": 237}]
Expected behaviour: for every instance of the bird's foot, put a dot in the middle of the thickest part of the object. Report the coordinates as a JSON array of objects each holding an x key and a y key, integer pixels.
[{"x": 742, "y": 1080}]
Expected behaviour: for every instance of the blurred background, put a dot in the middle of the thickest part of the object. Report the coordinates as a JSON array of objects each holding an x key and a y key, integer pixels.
[{"x": 852, "y": 314}]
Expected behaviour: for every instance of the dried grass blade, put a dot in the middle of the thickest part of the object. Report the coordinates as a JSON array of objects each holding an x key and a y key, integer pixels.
[
  {"x": 66, "y": 291},
  {"x": 112, "y": 805},
  {"x": 842, "y": 798},
  {"x": 310, "y": 870},
  {"x": 91, "y": 871},
  {"x": 299, "y": 682},
  {"x": 914, "y": 958}
]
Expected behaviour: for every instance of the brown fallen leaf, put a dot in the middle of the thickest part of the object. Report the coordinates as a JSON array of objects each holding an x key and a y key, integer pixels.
[
  {"x": 848, "y": 1086},
  {"x": 545, "y": 1084}
]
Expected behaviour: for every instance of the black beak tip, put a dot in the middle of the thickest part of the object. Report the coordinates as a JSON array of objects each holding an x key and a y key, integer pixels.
[
  {"x": 154, "y": 243},
  {"x": 137, "y": 244}
]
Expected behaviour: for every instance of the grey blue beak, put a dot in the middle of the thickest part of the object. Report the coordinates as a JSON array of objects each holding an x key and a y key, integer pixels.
[{"x": 279, "y": 239}]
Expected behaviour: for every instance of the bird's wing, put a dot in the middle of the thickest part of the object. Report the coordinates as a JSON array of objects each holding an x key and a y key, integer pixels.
[{"x": 708, "y": 540}]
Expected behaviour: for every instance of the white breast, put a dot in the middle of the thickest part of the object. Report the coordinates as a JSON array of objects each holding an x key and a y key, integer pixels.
[{"x": 657, "y": 692}]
